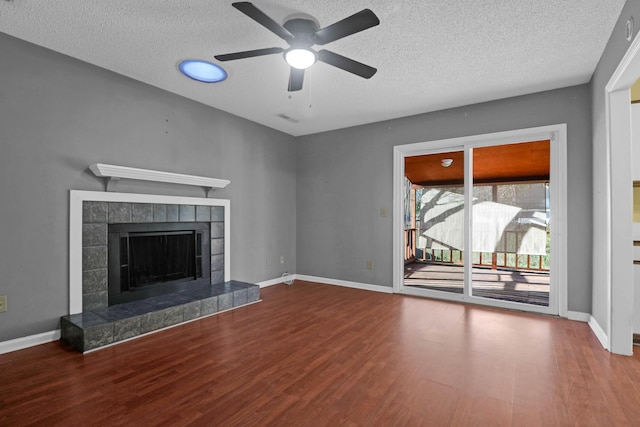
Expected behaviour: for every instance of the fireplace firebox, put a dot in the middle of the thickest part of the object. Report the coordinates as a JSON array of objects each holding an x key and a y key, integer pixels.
[{"x": 152, "y": 259}]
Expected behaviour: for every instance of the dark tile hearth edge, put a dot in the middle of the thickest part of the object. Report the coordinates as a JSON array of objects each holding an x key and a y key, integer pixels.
[{"x": 103, "y": 327}]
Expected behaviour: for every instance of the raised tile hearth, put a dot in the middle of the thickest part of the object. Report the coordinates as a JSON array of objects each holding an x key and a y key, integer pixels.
[{"x": 91, "y": 330}]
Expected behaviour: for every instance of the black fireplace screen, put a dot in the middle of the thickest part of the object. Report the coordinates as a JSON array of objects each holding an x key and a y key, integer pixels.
[
  {"x": 156, "y": 258},
  {"x": 144, "y": 257}
]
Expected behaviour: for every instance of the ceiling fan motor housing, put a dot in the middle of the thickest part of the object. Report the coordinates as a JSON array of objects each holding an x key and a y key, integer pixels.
[{"x": 304, "y": 31}]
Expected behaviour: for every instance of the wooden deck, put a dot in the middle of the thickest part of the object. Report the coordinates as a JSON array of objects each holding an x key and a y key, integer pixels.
[{"x": 507, "y": 285}]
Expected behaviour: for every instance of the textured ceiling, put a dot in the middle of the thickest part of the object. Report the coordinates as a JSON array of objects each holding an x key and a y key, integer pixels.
[{"x": 430, "y": 55}]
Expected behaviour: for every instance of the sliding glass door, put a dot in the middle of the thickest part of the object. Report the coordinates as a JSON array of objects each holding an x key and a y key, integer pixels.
[
  {"x": 435, "y": 222},
  {"x": 476, "y": 223},
  {"x": 510, "y": 223}
]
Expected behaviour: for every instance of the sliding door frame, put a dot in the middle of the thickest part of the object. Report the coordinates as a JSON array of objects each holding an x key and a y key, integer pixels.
[{"x": 557, "y": 134}]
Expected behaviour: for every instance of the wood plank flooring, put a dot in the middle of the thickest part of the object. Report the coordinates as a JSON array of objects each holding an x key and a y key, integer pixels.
[
  {"x": 507, "y": 285},
  {"x": 322, "y": 355}
]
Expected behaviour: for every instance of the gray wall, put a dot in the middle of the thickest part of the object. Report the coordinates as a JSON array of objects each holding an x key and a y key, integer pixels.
[
  {"x": 59, "y": 115},
  {"x": 345, "y": 178},
  {"x": 317, "y": 196},
  {"x": 615, "y": 50}
]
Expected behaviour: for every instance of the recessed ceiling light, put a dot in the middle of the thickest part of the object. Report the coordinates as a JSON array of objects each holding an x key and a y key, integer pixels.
[{"x": 202, "y": 71}]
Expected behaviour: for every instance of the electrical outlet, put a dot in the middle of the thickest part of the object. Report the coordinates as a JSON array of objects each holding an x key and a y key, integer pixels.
[
  {"x": 267, "y": 260},
  {"x": 383, "y": 212},
  {"x": 3, "y": 303},
  {"x": 369, "y": 264},
  {"x": 282, "y": 259}
]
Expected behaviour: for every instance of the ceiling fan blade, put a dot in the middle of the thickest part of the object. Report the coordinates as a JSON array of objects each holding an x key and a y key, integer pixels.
[
  {"x": 249, "y": 54},
  {"x": 344, "y": 63},
  {"x": 295, "y": 79},
  {"x": 261, "y": 18},
  {"x": 353, "y": 24}
]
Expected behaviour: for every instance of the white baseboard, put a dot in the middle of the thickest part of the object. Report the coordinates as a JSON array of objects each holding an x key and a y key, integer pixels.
[
  {"x": 29, "y": 341},
  {"x": 275, "y": 281},
  {"x": 347, "y": 284},
  {"x": 599, "y": 332},
  {"x": 578, "y": 316},
  {"x": 593, "y": 324}
]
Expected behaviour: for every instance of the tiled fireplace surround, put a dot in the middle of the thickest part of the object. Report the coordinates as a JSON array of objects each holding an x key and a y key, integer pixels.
[
  {"x": 95, "y": 324},
  {"x": 96, "y": 216}
]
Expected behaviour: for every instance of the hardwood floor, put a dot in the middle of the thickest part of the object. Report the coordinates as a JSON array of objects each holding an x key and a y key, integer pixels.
[{"x": 321, "y": 355}]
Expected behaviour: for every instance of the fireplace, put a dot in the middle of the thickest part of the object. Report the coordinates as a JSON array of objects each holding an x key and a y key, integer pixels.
[
  {"x": 145, "y": 246},
  {"x": 191, "y": 237},
  {"x": 146, "y": 260}
]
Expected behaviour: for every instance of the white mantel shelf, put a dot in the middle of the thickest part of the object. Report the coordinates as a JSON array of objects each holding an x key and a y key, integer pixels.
[{"x": 113, "y": 172}]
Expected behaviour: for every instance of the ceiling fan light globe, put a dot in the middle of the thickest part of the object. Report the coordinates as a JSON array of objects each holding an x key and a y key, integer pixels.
[{"x": 300, "y": 58}]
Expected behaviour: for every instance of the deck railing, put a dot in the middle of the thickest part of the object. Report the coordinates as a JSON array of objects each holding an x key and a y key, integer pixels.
[
  {"x": 409, "y": 245},
  {"x": 502, "y": 259}
]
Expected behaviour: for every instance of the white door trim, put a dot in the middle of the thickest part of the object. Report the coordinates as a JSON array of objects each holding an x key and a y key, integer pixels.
[
  {"x": 619, "y": 230},
  {"x": 558, "y": 177}
]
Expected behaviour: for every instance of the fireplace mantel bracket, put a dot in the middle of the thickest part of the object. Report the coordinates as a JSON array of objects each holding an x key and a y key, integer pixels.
[
  {"x": 207, "y": 190},
  {"x": 110, "y": 183},
  {"x": 112, "y": 174}
]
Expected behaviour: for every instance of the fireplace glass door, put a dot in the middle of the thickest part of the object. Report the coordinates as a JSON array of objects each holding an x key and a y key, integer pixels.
[
  {"x": 159, "y": 257},
  {"x": 149, "y": 259}
]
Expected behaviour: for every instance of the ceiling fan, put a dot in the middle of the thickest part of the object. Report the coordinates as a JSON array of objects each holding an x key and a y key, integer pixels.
[{"x": 301, "y": 34}]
